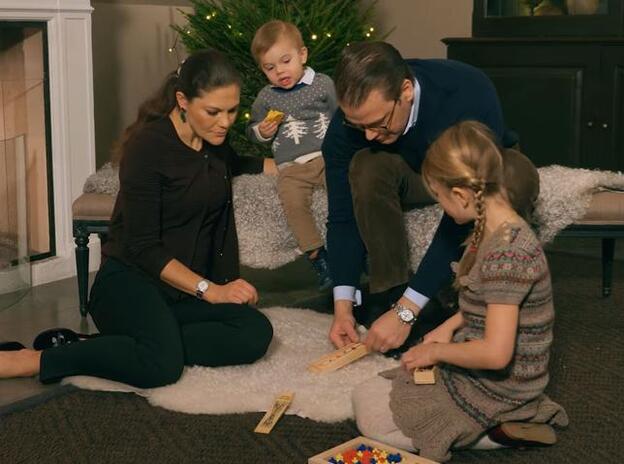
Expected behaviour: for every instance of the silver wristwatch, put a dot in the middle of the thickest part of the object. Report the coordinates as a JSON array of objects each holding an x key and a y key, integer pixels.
[
  {"x": 406, "y": 315},
  {"x": 202, "y": 287}
]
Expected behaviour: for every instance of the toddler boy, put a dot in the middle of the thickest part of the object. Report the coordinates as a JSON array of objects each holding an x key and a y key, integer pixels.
[{"x": 292, "y": 113}]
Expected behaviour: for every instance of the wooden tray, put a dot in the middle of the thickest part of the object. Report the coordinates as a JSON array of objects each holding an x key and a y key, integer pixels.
[{"x": 408, "y": 458}]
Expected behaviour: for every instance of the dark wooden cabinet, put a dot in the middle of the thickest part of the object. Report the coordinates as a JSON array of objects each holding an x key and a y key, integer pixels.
[
  {"x": 564, "y": 97},
  {"x": 547, "y": 18}
]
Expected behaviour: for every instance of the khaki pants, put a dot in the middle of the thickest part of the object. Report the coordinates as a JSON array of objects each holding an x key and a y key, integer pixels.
[
  {"x": 383, "y": 186},
  {"x": 295, "y": 185}
]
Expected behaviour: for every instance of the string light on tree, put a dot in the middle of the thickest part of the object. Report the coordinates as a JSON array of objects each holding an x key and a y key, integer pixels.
[{"x": 328, "y": 25}]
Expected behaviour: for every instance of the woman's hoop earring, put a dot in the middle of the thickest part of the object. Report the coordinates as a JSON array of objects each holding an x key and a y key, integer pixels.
[{"x": 183, "y": 115}]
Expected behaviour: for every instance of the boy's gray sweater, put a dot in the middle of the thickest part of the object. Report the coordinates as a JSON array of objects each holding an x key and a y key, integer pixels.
[{"x": 307, "y": 109}]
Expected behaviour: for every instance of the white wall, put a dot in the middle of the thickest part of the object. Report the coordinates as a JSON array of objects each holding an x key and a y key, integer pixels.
[
  {"x": 421, "y": 24},
  {"x": 131, "y": 39}
]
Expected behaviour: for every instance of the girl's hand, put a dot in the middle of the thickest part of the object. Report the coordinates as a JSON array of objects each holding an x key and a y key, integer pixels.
[
  {"x": 441, "y": 334},
  {"x": 268, "y": 129},
  {"x": 238, "y": 291},
  {"x": 420, "y": 356}
]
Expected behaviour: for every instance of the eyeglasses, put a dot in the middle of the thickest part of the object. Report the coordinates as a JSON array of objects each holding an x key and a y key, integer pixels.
[{"x": 383, "y": 128}]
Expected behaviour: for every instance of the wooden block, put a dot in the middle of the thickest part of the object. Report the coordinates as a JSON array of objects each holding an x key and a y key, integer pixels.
[
  {"x": 274, "y": 116},
  {"x": 425, "y": 376},
  {"x": 280, "y": 405},
  {"x": 408, "y": 458},
  {"x": 339, "y": 358}
]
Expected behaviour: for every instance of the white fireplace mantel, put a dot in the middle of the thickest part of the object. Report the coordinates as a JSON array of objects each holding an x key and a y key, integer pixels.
[{"x": 71, "y": 114}]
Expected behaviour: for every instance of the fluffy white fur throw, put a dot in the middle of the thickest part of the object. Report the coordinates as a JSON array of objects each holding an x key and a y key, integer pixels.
[
  {"x": 300, "y": 338},
  {"x": 265, "y": 240}
]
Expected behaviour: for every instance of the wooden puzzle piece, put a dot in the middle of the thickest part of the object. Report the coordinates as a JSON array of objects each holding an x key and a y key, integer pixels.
[
  {"x": 425, "y": 376},
  {"x": 339, "y": 358},
  {"x": 280, "y": 405}
]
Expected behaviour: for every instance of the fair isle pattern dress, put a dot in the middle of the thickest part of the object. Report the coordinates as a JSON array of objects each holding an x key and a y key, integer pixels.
[{"x": 510, "y": 268}]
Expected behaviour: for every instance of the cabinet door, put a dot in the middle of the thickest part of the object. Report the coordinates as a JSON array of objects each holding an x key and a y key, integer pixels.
[
  {"x": 544, "y": 88},
  {"x": 516, "y": 18},
  {"x": 611, "y": 123}
]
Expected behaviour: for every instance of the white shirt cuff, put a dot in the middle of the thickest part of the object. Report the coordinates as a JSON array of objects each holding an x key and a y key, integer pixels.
[
  {"x": 415, "y": 297},
  {"x": 259, "y": 135},
  {"x": 346, "y": 292}
]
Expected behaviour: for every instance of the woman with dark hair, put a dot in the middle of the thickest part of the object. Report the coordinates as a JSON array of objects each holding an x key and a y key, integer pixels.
[{"x": 168, "y": 293}]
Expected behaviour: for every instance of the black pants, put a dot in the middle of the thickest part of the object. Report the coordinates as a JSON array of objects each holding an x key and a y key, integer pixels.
[{"x": 147, "y": 339}]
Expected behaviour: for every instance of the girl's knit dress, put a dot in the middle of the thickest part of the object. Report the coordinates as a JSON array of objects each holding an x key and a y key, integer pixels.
[{"x": 510, "y": 268}]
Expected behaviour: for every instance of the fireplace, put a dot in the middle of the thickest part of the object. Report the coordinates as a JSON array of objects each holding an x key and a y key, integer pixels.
[
  {"x": 46, "y": 130},
  {"x": 24, "y": 139}
]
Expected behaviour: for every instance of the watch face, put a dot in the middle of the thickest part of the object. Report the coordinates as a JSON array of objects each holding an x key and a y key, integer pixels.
[
  {"x": 406, "y": 315},
  {"x": 202, "y": 286}
]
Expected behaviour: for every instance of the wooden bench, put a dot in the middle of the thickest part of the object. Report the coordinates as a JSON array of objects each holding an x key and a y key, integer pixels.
[
  {"x": 91, "y": 215},
  {"x": 604, "y": 219}
]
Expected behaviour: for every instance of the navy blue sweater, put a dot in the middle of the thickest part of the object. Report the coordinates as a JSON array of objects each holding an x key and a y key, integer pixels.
[{"x": 450, "y": 92}]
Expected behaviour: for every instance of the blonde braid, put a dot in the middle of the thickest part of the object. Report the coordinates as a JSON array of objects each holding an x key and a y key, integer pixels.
[
  {"x": 477, "y": 235},
  {"x": 469, "y": 258}
]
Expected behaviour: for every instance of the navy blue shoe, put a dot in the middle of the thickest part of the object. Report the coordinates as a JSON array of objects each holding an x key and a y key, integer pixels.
[
  {"x": 11, "y": 346},
  {"x": 319, "y": 263}
]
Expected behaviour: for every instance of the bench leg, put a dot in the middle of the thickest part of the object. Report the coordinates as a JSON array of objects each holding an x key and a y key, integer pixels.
[
  {"x": 608, "y": 252},
  {"x": 81, "y": 237}
]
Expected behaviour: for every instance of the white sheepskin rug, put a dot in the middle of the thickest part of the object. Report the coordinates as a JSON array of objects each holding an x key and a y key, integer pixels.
[
  {"x": 300, "y": 337},
  {"x": 265, "y": 241}
]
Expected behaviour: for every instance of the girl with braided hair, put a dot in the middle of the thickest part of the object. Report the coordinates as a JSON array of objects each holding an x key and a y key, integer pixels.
[{"x": 492, "y": 356}]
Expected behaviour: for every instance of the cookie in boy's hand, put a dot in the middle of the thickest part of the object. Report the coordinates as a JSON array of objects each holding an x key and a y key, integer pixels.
[{"x": 274, "y": 116}]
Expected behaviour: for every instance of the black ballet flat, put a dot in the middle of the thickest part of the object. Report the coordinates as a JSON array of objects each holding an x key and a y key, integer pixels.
[
  {"x": 11, "y": 346},
  {"x": 53, "y": 338}
]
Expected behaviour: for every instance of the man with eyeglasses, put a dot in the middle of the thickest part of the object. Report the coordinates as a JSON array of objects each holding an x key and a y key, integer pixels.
[{"x": 390, "y": 112}]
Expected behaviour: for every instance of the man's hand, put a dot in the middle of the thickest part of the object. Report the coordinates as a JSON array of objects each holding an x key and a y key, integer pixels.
[
  {"x": 387, "y": 332},
  {"x": 343, "y": 330}
]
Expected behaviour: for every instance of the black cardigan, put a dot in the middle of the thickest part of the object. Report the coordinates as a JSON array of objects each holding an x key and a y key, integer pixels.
[{"x": 175, "y": 202}]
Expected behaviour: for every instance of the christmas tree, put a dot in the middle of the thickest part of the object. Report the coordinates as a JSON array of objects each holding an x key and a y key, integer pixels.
[{"x": 327, "y": 27}]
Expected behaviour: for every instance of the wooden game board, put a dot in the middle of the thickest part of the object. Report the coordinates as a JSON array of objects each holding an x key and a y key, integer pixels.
[{"x": 408, "y": 458}]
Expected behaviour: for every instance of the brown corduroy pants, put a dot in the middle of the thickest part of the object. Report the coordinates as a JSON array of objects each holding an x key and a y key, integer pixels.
[
  {"x": 295, "y": 186},
  {"x": 383, "y": 186}
]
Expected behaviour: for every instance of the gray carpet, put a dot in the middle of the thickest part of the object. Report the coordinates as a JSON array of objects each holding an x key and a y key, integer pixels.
[{"x": 587, "y": 373}]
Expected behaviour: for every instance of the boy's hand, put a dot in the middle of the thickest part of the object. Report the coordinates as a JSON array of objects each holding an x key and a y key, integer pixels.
[{"x": 268, "y": 129}]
